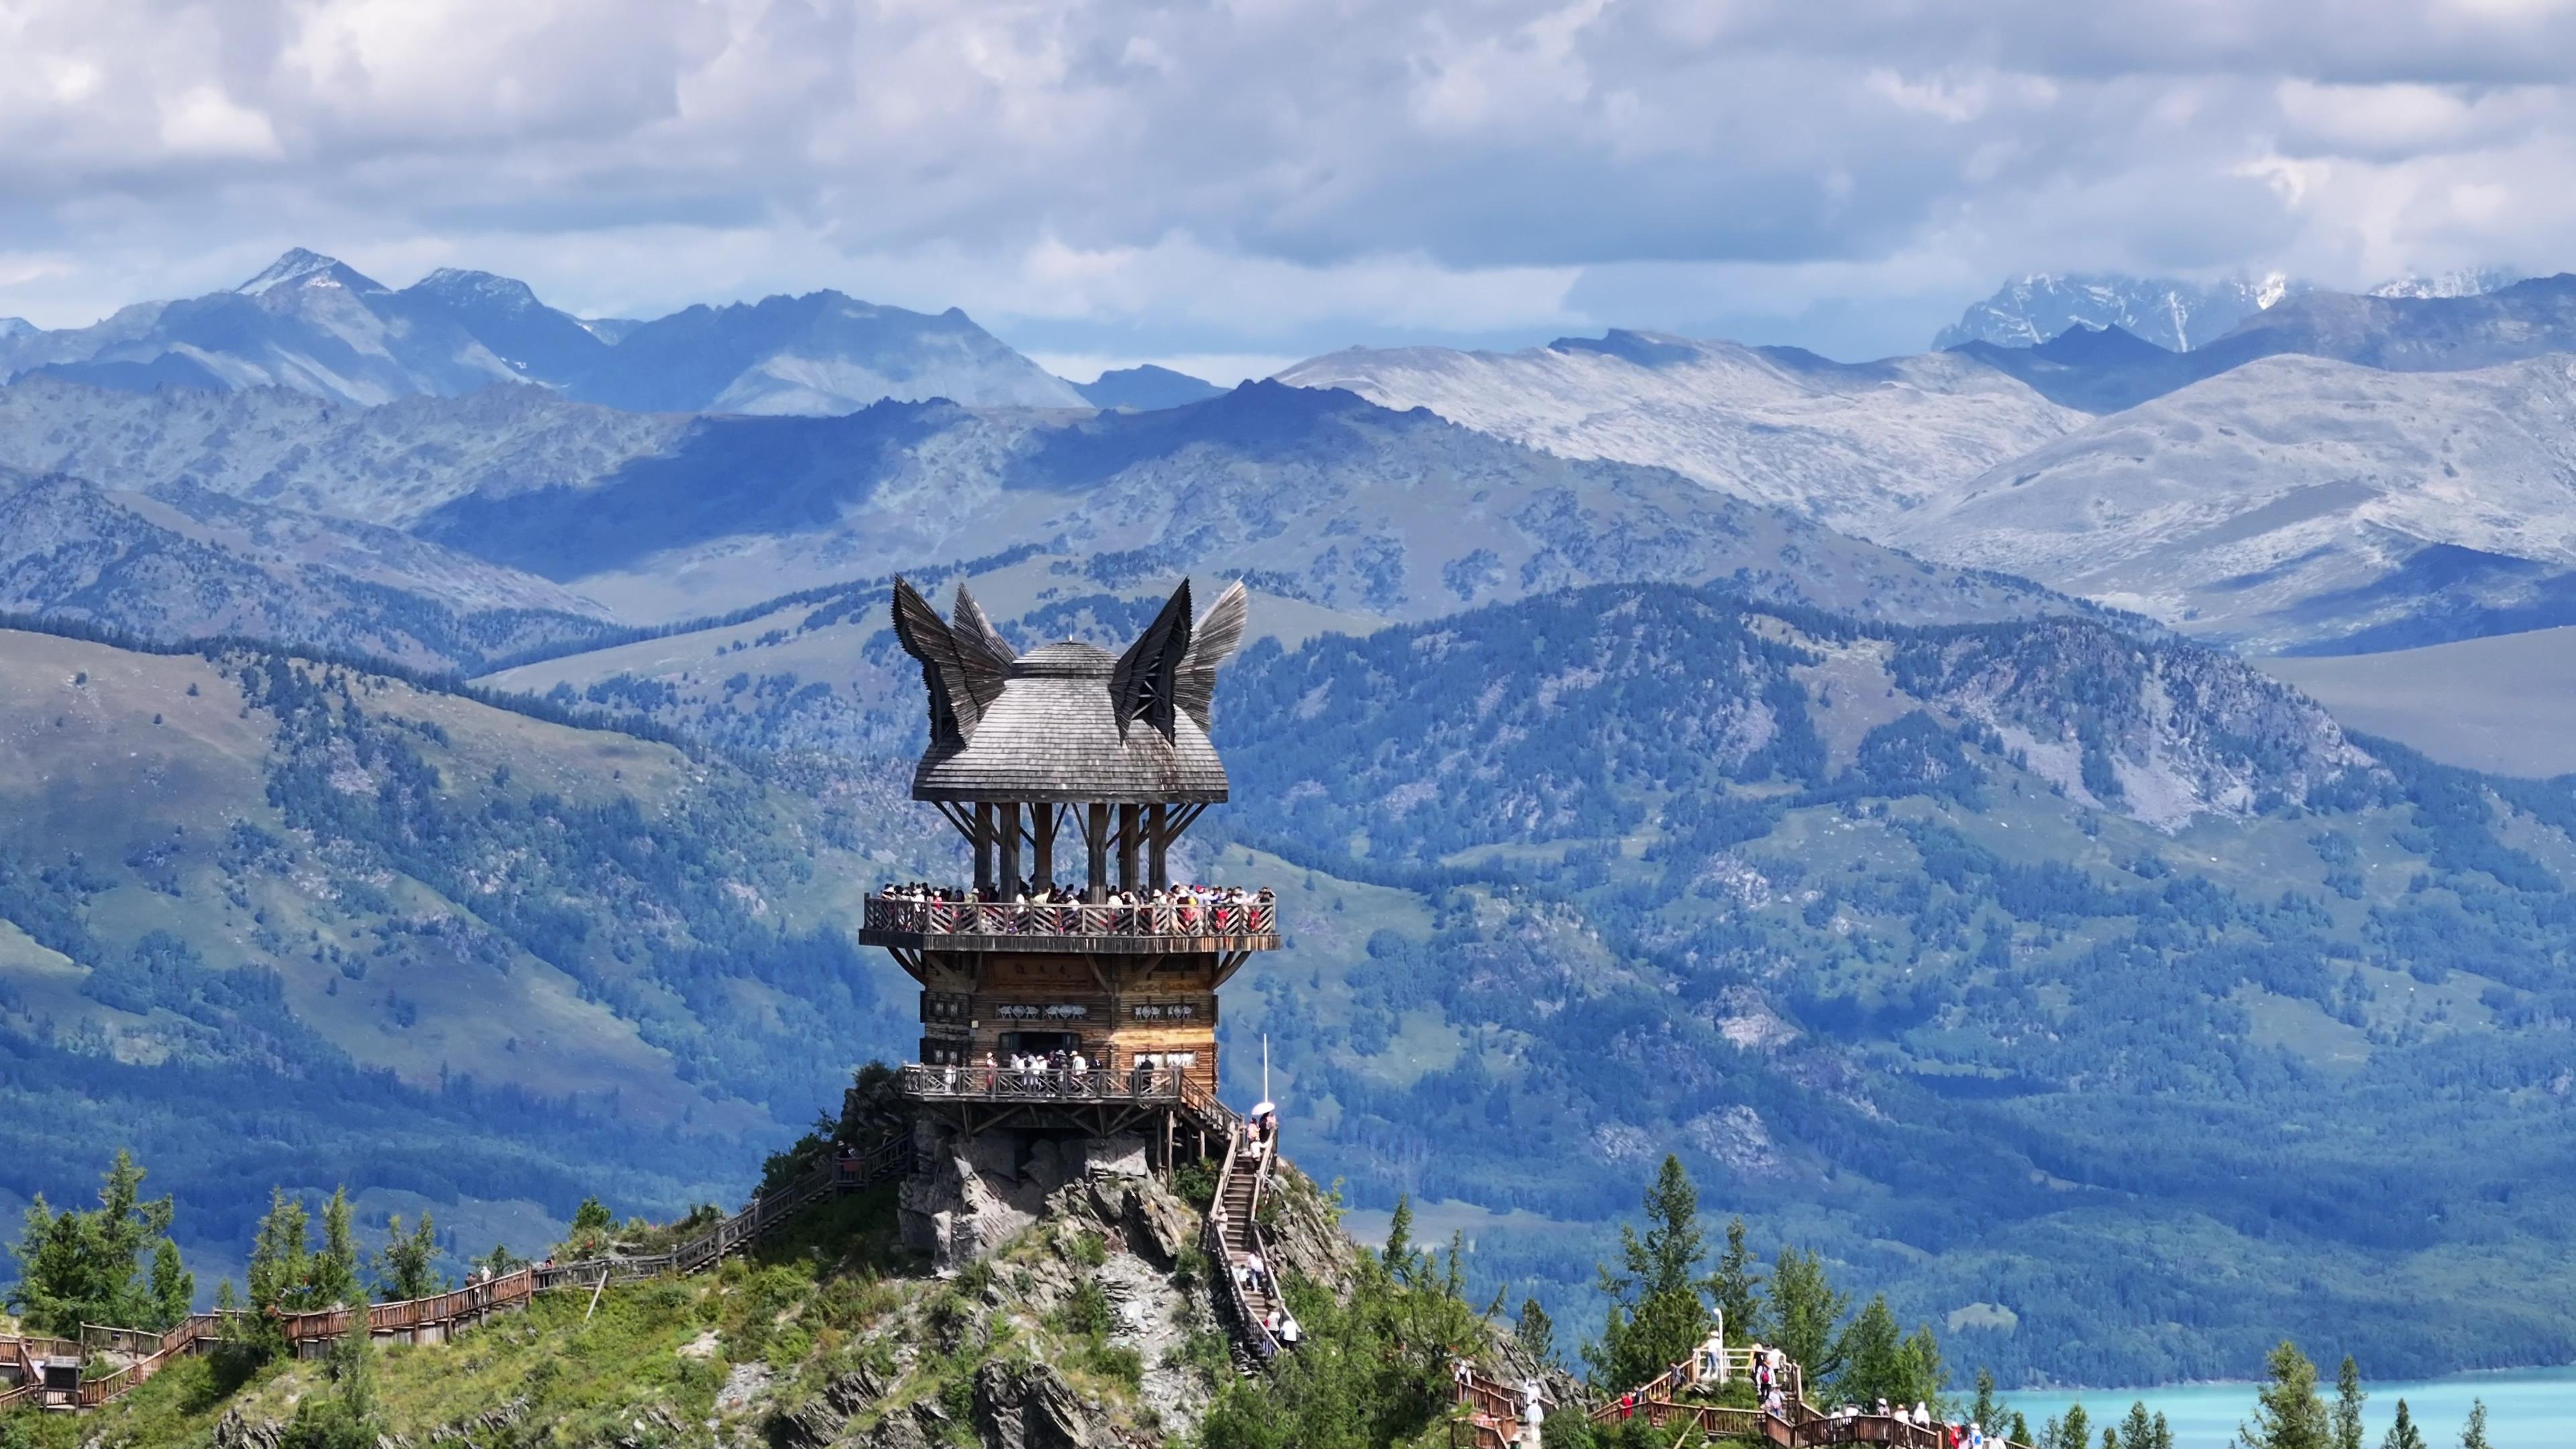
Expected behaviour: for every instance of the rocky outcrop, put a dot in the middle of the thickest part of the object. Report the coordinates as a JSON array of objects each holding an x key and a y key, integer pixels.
[
  {"x": 237, "y": 1431},
  {"x": 1032, "y": 1407},
  {"x": 819, "y": 1421},
  {"x": 971, "y": 1195}
]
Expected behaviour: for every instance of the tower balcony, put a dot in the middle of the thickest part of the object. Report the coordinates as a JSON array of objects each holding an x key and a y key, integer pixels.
[{"x": 1158, "y": 927}]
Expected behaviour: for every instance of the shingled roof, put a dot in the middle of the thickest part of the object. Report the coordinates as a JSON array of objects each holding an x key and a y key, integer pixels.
[{"x": 1069, "y": 722}]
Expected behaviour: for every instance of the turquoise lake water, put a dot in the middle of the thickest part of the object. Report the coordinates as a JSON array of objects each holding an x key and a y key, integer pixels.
[{"x": 2526, "y": 1408}]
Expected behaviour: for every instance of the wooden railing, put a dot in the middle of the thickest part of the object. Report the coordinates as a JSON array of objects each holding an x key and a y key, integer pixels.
[
  {"x": 1798, "y": 1425},
  {"x": 196, "y": 1328},
  {"x": 1218, "y": 1242},
  {"x": 1493, "y": 1411},
  {"x": 767, "y": 1210},
  {"x": 996, "y": 918},
  {"x": 1001, "y": 1084}
]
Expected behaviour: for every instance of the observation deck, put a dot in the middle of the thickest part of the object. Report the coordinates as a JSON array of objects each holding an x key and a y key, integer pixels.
[{"x": 1157, "y": 928}]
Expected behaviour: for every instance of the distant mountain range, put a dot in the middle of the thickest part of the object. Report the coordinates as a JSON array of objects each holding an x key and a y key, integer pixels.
[
  {"x": 1844, "y": 443},
  {"x": 1143, "y": 389},
  {"x": 319, "y": 326},
  {"x": 185, "y": 563},
  {"x": 2335, "y": 472},
  {"x": 2299, "y": 504},
  {"x": 2173, "y": 314}
]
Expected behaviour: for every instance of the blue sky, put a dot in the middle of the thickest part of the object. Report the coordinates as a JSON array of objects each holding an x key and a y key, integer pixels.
[{"x": 1230, "y": 183}]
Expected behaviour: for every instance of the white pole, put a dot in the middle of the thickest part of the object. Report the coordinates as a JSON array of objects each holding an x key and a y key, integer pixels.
[{"x": 1265, "y": 1066}]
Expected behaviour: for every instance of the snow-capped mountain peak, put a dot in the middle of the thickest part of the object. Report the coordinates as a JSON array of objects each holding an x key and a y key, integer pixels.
[
  {"x": 2174, "y": 314},
  {"x": 455, "y": 284},
  {"x": 300, "y": 267},
  {"x": 16, "y": 327},
  {"x": 2460, "y": 282}
]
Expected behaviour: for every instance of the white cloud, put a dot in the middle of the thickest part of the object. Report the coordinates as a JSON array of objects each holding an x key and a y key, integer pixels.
[{"x": 1274, "y": 176}]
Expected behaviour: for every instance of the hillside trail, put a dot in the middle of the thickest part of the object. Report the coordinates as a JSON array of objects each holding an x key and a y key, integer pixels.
[{"x": 65, "y": 1374}]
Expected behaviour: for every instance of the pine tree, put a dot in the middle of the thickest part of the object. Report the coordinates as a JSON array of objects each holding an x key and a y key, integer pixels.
[
  {"x": 78, "y": 1267},
  {"x": 174, "y": 1288},
  {"x": 1537, "y": 1333},
  {"x": 406, "y": 1267},
  {"x": 591, "y": 1226},
  {"x": 2137, "y": 1431},
  {"x": 281, "y": 1260},
  {"x": 1398, "y": 1256},
  {"x": 1924, "y": 1374},
  {"x": 1656, "y": 1314},
  {"x": 2403, "y": 1434},
  {"x": 2075, "y": 1431},
  {"x": 1734, "y": 1290},
  {"x": 2287, "y": 1412},
  {"x": 1986, "y": 1409},
  {"x": 2347, "y": 1407},
  {"x": 1872, "y": 1356},
  {"x": 2164, "y": 1433},
  {"x": 1804, "y": 1309},
  {"x": 335, "y": 1268},
  {"x": 2473, "y": 1434},
  {"x": 2020, "y": 1429}
]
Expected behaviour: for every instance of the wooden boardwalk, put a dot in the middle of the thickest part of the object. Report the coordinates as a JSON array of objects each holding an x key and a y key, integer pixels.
[
  {"x": 1669, "y": 1402},
  {"x": 139, "y": 1354}
]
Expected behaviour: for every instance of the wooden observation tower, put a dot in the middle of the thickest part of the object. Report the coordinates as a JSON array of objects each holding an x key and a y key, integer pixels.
[{"x": 1071, "y": 986}]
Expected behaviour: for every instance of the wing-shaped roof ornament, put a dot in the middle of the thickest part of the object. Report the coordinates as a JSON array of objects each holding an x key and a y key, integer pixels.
[
  {"x": 1144, "y": 684},
  {"x": 963, "y": 666},
  {"x": 1211, "y": 644}
]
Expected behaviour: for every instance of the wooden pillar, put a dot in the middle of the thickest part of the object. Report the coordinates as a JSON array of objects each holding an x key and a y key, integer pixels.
[
  {"x": 1010, "y": 862},
  {"x": 1157, "y": 847},
  {"x": 1042, "y": 821},
  {"x": 1131, "y": 829},
  {"x": 983, "y": 844},
  {"x": 1096, "y": 836}
]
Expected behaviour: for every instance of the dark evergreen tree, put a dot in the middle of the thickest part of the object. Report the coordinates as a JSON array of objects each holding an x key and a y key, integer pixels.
[
  {"x": 1735, "y": 1289},
  {"x": 2403, "y": 1434},
  {"x": 83, "y": 1266},
  {"x": 406, "y": 1267},
  {"x": 335, "y": 1267},
  {"x": 2347, "y": 1406},
  {"x": 1805, "y": 1311},
  {"x": 1986, "y": 1409},
  {"x": 1536, "y": 1332},
  {"x": 2473, "y": 1434},
  {"x": 1657, "y": 1316},
  {"x": 2287, "y": 1412}
]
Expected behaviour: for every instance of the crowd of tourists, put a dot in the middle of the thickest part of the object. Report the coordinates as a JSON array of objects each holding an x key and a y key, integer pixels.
[
  {"x": 1185, "y": 903},
  {"x": 1064, "y": 1072},
  {"x": 1769, "y": 1370}
]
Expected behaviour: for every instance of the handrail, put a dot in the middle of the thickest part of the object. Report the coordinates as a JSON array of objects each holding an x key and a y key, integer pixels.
[
  {"x": 1220, "y": 1250},
  {"x": 1493, "y": 1409},
  {"x": 1040, "y": 918},
  {"x": 504, "y": 1290},
  {"x": 1051, "y": 1084}
]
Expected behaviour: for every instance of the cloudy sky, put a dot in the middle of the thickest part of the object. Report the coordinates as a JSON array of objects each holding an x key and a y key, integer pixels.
[{"x": 1231, "y": 183}]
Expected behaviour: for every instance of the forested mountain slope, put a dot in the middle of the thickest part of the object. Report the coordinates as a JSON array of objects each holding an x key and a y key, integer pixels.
[
  {"x": 2029, "y": 965},
  {"x": 2106, "y": 984},
  {"x": 184, "y": 563},
  {"x": 269, "y": 921}
]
